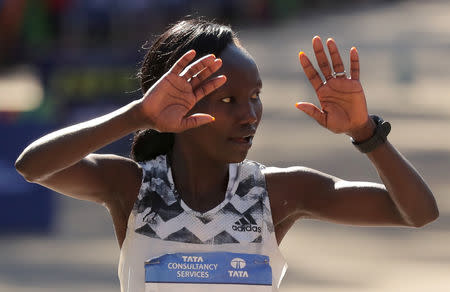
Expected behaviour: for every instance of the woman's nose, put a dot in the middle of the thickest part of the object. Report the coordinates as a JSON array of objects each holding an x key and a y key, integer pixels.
[{"x": 249, "y": 113}]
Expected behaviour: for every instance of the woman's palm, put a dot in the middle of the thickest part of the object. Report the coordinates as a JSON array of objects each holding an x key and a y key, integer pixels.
[
  {"x": 167, "y": 103},
  {"x": 173, "y": 99},
  {"x": 342, "y": 100}
]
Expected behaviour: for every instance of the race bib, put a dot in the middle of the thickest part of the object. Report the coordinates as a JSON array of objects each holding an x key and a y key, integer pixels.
[{"x": 202, "y": 271}]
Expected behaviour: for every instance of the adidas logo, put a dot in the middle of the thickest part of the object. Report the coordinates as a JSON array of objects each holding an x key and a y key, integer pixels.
[{"x": 246, "y": 223}]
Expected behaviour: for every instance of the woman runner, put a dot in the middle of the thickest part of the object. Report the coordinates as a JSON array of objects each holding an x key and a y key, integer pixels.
[{"x": 189, "y": 211}]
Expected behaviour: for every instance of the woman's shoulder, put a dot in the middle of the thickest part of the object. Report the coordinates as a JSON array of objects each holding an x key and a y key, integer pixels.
[
  {"x": 275, "y": 173},
  {"x": 288, "y": 170}
]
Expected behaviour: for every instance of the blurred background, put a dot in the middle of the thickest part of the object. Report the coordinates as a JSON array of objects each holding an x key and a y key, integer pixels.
[{"x": 67, "y": 61}]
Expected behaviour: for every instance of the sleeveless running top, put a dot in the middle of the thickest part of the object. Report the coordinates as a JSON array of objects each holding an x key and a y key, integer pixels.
[{"x": 170, "y": 247}]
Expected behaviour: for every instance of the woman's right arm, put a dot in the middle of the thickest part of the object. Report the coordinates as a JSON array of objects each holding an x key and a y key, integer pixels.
[{"x": 63, "y": 160}]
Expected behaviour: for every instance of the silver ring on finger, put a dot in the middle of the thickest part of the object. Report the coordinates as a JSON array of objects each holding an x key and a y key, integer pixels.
[
  {"x": 339, "y": 74},
  {"x": 328, "y": 77},
  {"x": 191, "y": 79}
]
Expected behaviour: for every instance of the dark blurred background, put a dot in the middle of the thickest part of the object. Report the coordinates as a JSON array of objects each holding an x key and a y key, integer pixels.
[{"x": 67, "y": 61}]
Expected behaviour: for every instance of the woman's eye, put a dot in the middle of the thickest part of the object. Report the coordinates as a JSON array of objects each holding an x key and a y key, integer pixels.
[{"x": 226, "y": 99}]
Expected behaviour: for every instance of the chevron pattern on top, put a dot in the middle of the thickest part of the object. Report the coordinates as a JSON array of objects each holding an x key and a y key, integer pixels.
[{"x": 244, "y": 215}]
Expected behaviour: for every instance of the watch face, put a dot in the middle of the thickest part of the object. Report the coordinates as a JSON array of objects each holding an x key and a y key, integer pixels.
[{"x": 378, "y": 120}]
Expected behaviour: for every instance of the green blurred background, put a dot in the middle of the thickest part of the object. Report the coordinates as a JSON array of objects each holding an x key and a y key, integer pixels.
[{"x": 66, "y": 61}]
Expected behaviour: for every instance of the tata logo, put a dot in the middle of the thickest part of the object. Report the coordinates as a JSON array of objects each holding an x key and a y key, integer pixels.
[
  {"x": 238, "y": 264},
  {"x": 192, "y": 259}
]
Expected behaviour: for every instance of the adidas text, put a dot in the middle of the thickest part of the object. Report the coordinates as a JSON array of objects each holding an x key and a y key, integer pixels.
[{"x": 247, "y": 228}]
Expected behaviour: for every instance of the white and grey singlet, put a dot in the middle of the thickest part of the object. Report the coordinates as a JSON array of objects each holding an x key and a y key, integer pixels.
[{"x": 170, "y": 247}]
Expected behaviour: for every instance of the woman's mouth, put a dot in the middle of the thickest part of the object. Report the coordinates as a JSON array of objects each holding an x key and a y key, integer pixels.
[{"x": 245, "y": 140}]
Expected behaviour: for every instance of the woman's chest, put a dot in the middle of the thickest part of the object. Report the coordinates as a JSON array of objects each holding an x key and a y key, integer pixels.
[{"x": 230, "y": 222}]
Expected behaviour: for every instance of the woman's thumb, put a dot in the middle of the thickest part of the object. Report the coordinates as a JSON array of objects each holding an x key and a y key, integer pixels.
[
  {"x": 196, "y": 120},
  {"x": 311, "y": 110}
]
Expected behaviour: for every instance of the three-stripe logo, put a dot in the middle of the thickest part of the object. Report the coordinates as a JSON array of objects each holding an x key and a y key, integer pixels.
[{"x": 246, "y": 223}]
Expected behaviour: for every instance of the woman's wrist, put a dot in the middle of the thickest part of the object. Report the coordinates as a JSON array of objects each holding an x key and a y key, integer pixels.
[
  {"x": 140, "y": 119},
  {"x": 363, "y": 133}
]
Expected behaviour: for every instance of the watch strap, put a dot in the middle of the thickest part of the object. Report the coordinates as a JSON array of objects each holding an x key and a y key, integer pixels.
[{"x": 379, "y": 136}]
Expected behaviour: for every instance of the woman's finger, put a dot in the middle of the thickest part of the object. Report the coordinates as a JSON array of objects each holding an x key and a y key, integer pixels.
[
  {"x": 310, "y": 72},
  {"x": 199, "y": 65},
  {"x": 321, "y": 58},
  {"x": 312, "y": 111},
  {"x": 181, "y": 63},
  {"x": 196, "y": 120},
  {"x": 354, "y": 63},
  {"x": 197, "y": 79},
  {"x": 209, "y": 87},
  {"x": 338, "y": 66}
]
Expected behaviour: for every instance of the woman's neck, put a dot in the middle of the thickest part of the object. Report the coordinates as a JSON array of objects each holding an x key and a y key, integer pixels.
[{"x": 201, "y": 182}]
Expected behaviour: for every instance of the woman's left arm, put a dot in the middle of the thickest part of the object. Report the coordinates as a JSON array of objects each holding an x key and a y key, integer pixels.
[
  {"x": 343, "y": 110},
  {"x": 408, "y": 191}
]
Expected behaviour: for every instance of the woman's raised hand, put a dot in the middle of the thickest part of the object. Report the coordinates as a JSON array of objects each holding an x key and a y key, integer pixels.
[
  {"x": 166, "y": 104},
  {"x": 342, "y": 101}
]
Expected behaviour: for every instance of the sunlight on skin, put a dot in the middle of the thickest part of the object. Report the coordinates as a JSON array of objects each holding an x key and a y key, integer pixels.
[{"x": 341, "y": 184}]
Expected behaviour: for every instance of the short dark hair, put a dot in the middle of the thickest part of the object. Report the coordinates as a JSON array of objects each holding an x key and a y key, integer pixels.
[{"x": 205, "y": 37}]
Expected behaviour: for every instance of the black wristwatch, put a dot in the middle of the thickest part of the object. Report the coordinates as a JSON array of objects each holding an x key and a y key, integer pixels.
[{"x": 379, "y": 136}]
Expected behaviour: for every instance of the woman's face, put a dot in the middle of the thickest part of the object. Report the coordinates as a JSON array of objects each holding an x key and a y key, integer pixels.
[{"x": 237, "y": 109}]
